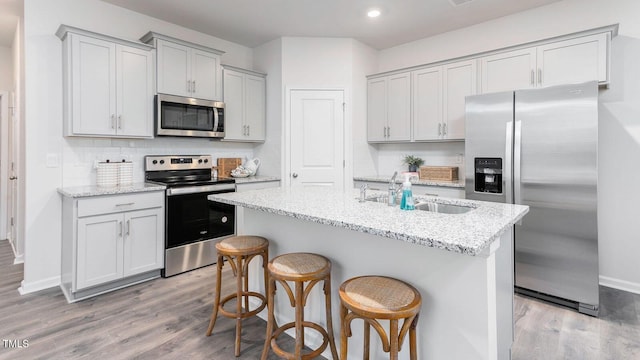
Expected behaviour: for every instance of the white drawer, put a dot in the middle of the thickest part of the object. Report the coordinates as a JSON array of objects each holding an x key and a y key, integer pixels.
[{"x": 118, "y": 203}]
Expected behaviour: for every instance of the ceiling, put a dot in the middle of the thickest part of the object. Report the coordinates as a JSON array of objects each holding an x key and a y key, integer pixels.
[
  {"x": 255, "y": 22},
  {"x": 10, "y": 12}
]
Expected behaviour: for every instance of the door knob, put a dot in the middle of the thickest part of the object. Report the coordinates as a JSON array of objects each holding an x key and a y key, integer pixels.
[
  {"x": 295, "y": 175},
  {"x": 13, "y": 177}
]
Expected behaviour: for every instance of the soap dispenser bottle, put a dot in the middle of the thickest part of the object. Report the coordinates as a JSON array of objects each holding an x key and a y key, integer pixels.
[{"x": 407, "y": 195}]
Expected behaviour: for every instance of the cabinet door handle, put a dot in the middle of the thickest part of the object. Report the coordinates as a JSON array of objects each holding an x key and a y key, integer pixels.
[
  {"x": 120, "y": 222},
  {"x": 128, "y": 227},
  {"x": 194, "y": 86},
  {"x": 248, "y": 130},
  {"x": 539, "y": 76},
  {"x": 439, "y": 129},
  {"x": 533, "y": 77},
  {"x": 119, "y": 121},
  {"x": 113, "y": 121},
  {"x": 429, "y": 194},
  {"x": 388, "y": 131},
  {"x": 444, "y": 129}
]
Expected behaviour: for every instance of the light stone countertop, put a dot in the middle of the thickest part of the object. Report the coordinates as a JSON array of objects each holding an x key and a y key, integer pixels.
[
  {"x": 92, "y": 190},
  {"x": 400, "y": 179},
  {"x": 255, "y": 179},
  {"x": 470, "y": 233}
]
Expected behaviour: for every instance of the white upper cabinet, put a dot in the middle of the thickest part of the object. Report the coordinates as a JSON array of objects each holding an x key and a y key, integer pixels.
[
  {"x": 574, "y": 60},
  {"x": 245, "y": 105},
  {"x": 389, "y": 108},
  {"x": 427, "y": 103},
  {"x": 186, "y": 69},
  {"x": 439, "y": 98},
  {"x": 460, "y": 80},
  {"x": 108, "y": 85},
  {"x": 509, "y": 71}
]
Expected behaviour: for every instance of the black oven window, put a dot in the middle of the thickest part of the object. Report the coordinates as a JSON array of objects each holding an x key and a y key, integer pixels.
[
  {"x": 186, "y": 117},
  {"x": 192, "y": 218}
]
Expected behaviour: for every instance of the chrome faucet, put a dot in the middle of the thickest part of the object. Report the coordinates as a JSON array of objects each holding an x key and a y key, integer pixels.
[
  {"x": 363, "y": 192},
  {"x": 393, "y": 190}
]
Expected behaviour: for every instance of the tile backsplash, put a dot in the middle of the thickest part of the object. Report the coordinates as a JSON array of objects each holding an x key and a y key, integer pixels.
[
  {"x": 81, "y": 155},
  {"x": 434, "y": 154}
]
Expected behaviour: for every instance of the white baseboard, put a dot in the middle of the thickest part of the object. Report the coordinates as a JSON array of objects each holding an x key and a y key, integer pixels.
[
  {"x": 27, "y": 288},
  {"x": 18, "y": 260},
  {"x": 620, "y": 284}
]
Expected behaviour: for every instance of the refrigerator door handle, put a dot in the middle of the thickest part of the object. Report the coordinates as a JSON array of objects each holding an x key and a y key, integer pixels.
[
  {"x": 508, "y": 164},
  {"x": 517, "y": 159}
]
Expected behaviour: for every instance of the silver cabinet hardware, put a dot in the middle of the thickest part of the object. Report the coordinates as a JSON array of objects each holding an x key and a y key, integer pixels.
[
  {"x": 444, "y": 129},
  {"x": 113, "y": 121},
  {"x": 439, "y": 129},
  {"x": 295, "y": 175},
  {"x": 128, "y": 227},
  {"x": 13, "y": 178},
  {"x": 194, "y": 85},
  {"x": 533, "y": 77},
  {"x": 388, "y": 131},
  {"x": 119, "y": 122},
  {"x": 125, "y": 204},
  {"x": 539, "y": 76},
  {"x": 120, "y": 223}
]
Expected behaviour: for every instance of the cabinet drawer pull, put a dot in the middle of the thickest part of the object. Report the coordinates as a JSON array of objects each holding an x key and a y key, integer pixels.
[
  {"x": 125, "y": 204},
  {"x": 119, "y": 121},
  {"x": 429, "y": 194},
  {"x": 248, "y": 130},
  {"x": 439, "y": 129},
  {"x": 120, "y": 234},
  {"x": 194, "y": 86},
  {"x": 444, "y": 129},
  {"x": 388, "y": 131},
  {"x": 113, "y": 121}
]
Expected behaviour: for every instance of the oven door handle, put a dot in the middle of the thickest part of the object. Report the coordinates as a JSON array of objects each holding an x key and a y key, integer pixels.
[{"x": 201, "y": 189}]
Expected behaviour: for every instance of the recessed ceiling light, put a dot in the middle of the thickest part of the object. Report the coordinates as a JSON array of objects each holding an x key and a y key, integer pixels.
[{"x": 373, "y": 13}]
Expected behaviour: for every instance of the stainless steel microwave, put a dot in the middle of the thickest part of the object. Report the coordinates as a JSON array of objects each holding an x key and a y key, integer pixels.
[{"x": 182, "y": 116}]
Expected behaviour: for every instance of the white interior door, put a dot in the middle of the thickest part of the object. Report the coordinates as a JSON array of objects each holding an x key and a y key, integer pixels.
[
  {"x": 316, "y": 153},
  {"x": 4, "y": 170}
]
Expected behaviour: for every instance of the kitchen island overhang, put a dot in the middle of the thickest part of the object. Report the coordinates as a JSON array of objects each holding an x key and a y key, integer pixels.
[{"x": 461, "y": 263}]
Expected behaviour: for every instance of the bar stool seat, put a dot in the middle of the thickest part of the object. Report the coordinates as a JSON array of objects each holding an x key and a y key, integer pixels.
[
  {"x": 239, "y": 251},
  {"x": 372, "y": 298},
  {"x": 299, "y": 268}
]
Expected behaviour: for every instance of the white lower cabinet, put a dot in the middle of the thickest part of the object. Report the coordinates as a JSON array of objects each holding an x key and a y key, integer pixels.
[{"x": 110, "y": 242}]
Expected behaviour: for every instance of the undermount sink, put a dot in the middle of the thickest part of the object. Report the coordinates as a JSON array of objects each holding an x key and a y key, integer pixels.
[
  {"x": 443, "y": 208},
  {"x": 380, "y": 199},
  {"x": 427, "y": 205}
]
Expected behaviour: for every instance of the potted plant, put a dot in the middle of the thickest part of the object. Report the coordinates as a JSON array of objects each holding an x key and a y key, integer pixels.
[{"x": 413, "y": 161}]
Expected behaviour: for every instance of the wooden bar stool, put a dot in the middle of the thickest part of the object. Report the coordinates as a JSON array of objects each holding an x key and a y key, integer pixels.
[
  {"x": 239, "y": 251},
  {"x": 299, "y": 268},
  {"x": 373, "y": 298}
]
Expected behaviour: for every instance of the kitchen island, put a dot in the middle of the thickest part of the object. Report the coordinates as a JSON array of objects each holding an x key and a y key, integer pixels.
[{"x": 461, "y": 263}]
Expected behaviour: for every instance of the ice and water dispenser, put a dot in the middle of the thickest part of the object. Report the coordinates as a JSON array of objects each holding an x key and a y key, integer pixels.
[{"x": 488, "y": 175}]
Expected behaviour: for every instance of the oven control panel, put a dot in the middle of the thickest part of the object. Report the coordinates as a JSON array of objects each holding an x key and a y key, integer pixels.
[{"x": 175, "y": 162}]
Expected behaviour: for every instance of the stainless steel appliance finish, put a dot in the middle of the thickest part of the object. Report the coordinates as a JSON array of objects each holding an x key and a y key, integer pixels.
[
  {"x": 193, "y": 223},
  {"x": 548, "y": 142},
  {"x": 189, "y": 117}
]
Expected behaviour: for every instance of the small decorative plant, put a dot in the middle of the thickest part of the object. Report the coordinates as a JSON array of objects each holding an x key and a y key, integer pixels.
[{"x": 413, "y": 161}]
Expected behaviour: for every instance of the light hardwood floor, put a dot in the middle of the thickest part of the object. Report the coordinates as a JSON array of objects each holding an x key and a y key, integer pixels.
[{"x": 168, "y": 318}]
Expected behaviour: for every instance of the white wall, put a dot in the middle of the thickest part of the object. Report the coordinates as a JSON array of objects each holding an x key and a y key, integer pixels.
[
  {"x": 267, "y": 58},
  {"x": 43, "y": 121},
  {"x": 6, "y": 69},
  {"x": 619, "y": 146},
  {"x": 333, "y": 63}
]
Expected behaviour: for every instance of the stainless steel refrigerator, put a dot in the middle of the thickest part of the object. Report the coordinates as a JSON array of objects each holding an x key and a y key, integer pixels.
[{"x": 539, "y": 147}]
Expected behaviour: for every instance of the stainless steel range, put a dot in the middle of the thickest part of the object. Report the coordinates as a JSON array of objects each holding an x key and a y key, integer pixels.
[{"x": 193, "y": 223}]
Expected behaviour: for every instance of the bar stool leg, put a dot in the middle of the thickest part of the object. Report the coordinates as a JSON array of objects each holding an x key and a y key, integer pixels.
[
  {"x": 270, "y": 284},
  {"x": 367, "y": 337},
  {"x": 343, "y": 331},
  {"x": 413, "y": 352},
  {"x": 239, "y": 287},
  {"x": 327, "y": 304},
  {"x": 393, "y": 337},
  {"x": 299, "y": 319},
  {"x": 216, "y": 301}
]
